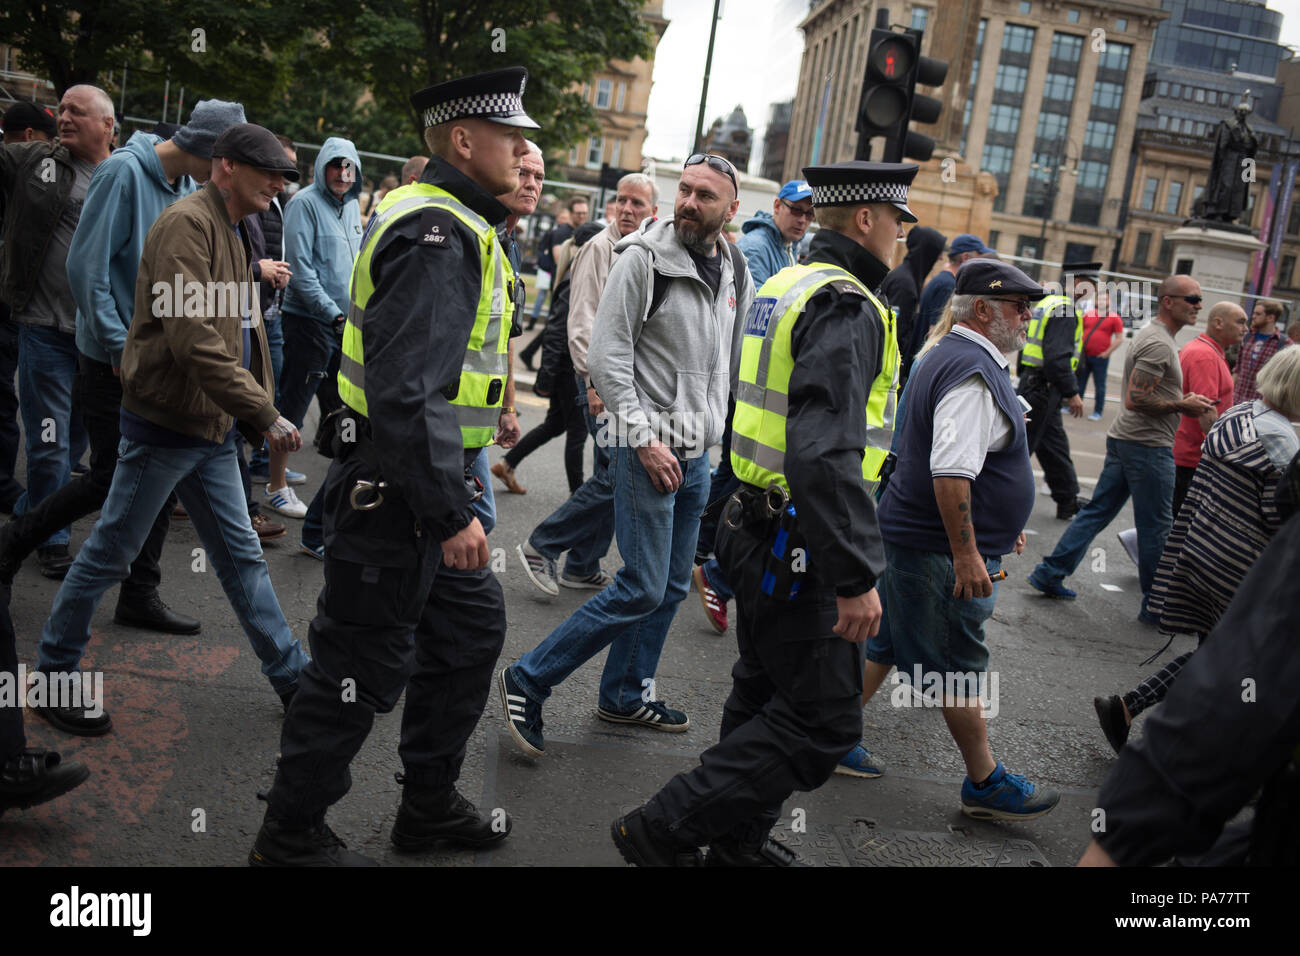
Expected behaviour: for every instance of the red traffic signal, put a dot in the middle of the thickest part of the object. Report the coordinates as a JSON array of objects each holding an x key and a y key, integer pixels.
[{"x": 889, "y": 101}]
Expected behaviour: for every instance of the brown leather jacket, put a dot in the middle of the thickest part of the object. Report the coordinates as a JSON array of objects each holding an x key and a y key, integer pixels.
[{"x": 181, "y": 367}]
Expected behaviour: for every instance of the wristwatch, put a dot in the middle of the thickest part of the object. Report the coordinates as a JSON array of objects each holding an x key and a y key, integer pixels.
[{"x": 508, "y": 410}]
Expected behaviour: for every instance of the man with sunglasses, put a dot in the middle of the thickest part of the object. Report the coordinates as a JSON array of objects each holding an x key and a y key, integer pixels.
[{"x": 1139, "y": 448}]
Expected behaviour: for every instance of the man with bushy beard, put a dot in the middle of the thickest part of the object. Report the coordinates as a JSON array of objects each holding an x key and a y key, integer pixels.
[{"x": 662, "y": 349}]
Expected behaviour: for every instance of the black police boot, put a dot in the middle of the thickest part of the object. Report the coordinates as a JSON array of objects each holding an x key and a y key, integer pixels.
[
  {"x": 280, "y": 843},
  {"x": 35, "y": 776},
  {"x": 151, "y": 614},
  {"x": 54, "y": 561},
  {"x": 640, "y": 845},
  {"x": 770, "y": 853},
  {"x": 428, "y": 816}
]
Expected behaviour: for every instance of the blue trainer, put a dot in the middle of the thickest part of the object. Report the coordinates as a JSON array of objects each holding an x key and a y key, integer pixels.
[
  {"x": 1007, "y": 796},
  {"x": 858, "y": 762},
  {"x": 652, "y": 713},
  {"x": 523, "y": 715},
  {"x": 1053, "y": 589}
]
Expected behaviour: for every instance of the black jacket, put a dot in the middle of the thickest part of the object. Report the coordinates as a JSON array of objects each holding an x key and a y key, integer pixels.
[
  {"x": 36, "y": 180},
  {"x": 418, "y": 322},
  {"x": 902, "y": 287},
  {"x": 837, "y": 346}
]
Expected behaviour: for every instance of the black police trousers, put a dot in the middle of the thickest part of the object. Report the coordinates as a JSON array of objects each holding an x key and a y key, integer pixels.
[
  {"x": 391, "y": 617},
  {"x": 1046, "y": 435},
  {"x": 793, "y": 712}
]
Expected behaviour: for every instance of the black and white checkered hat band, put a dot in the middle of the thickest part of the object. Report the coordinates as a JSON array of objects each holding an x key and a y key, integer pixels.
[
  {"x": 496, "y": 104},
  {"x": 841, "y": 195}
]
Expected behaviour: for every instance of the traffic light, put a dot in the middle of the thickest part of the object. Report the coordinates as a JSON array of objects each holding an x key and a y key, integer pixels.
[{"x": 889, "y": 100}]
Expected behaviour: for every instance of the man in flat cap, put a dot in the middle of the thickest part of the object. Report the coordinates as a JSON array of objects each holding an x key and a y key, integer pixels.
[
  {"x": 128, "y": 192},
  {"x": 815, "y": 397},
  {"x": 194, "y": 367},
  {"x": 1053, "y": 350},
  {"x": 956, "y": 501},
  {"x": 408, "y": 603}
]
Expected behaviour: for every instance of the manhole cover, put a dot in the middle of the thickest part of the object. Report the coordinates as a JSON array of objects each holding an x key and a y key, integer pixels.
[{"x": 862, "y": 843}]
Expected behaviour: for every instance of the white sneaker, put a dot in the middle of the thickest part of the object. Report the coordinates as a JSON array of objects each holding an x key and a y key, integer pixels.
[{"x": 285, "y": 502}]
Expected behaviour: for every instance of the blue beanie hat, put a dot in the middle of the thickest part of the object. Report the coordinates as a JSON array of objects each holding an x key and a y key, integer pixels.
[{"x": 209, "y": 120}]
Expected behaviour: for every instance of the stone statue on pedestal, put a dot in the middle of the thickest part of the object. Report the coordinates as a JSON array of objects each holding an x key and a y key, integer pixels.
[{"x": 1228, "y": 188}]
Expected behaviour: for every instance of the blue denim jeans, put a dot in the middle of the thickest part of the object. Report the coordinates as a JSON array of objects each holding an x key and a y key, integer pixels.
[
  {"x": 47, "y": 369},
  {"x": 656, "y": 537},
  {"x": 207, "y": 482},
  {"x": 584, "y": 524},
  {"x": 485, "y": 507},
  {"x": 1146, "y": 473},
  {"x": 1095, "y": 366},
  {"x": 260, "y": 460}
]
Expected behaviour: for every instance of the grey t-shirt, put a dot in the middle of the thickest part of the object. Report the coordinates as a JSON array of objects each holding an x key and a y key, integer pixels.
[
  {"x": 1152, "y": 352},
  {"x": 51, "y": 303}
]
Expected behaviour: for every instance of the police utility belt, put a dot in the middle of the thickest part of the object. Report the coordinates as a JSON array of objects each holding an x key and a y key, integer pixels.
[
  {"x": 345, "y": 433},
  {"x": 770, "y": 516}
]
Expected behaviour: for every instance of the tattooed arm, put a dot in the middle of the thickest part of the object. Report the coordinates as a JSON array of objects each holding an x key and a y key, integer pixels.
[
  {"x": 953, "y": 496},
  {"x": 1140, "y": 396}
]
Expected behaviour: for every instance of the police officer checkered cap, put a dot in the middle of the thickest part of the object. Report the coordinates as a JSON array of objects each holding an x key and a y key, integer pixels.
[
  {"x": 856, "y": 182},
  {"x": 497, "y": 96}
]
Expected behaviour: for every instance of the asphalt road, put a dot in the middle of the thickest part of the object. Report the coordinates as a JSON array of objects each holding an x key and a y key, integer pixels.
[{"x": 196, "y": 727}]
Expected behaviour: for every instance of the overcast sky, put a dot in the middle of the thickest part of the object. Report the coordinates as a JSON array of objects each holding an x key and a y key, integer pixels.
[{"x": 755, "y": 64}]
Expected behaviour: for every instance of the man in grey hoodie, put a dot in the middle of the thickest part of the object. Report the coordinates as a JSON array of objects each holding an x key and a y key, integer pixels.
[{"x": 662, "y": 352}]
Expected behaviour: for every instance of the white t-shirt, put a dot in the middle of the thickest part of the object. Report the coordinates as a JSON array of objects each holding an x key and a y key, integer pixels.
[{"x": 967, "y": 421}]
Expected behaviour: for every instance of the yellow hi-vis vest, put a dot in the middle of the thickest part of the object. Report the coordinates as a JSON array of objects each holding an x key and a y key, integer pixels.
[
  {"x": 758, "y": 427},
  {"x": 1043, "y": 311},
  {"x": 478, "y": 394}
]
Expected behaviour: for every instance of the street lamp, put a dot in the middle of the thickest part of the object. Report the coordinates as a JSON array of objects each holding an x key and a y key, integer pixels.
[{"x": 1049, "y": 203}]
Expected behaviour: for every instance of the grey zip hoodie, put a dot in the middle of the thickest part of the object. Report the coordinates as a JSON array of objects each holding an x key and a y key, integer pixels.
[{"x": 667, "y": 377}]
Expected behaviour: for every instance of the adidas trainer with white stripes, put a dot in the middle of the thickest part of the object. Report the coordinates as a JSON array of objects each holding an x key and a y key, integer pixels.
[
  {"x": 652, "y": 714},
  {"x": 523, "y": 715}
]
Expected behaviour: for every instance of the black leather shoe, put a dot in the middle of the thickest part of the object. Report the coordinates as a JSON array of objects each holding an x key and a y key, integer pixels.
[
  {"x": 1065, "y": 510},
  {"x": 278, "y": 844},
  {"x": 427, "y": 817},
  {"x": 35, "y": 776},
  {"x": 153, "y": 615},
  {"x": 641, "y": 847},
  {"x": 54, "y": 561},
  {"x": 74, "y": 720},
  {"x": 771, "y": 853},
  {"x": 1110, "y": 714}
]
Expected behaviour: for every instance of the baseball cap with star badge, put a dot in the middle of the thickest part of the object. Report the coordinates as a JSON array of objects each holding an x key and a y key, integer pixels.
[
  {"x": 856, "y": 181},
  {"x": 496, "y": 96}
]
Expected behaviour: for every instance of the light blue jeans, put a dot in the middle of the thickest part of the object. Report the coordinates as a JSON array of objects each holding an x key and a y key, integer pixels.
[
  {"x": 656, "y": 537},
  {"x": 1143, "y": 471},
  {"x": 207, "y": 482},
  {"x": 47, "y": 373}
]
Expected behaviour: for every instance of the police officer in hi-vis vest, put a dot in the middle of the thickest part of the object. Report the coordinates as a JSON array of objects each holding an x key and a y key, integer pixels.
[
  {"x": 408, "y": 603},
  {"x": 1052, "y": 352},
  {"x": 817, "y": 384}
]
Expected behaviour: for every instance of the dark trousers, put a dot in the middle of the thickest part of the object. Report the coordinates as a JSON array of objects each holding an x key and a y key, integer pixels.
[
  {"x": 12, "y": 740},
  {"x": 1182, "y": 483},
  {"x": 563, "y": 417},
  {"x": 10, "y": 488},
  {"x": 1096, "y": 366},
  {"x": 390, "y": 618},
  {"x": 793, "y": 712},
  {"x": 528, "y": 351},
  {"x": 97, "y": 394},
  {"x": 721, "y": 485},
  {"x": 1046, "y": 435}
]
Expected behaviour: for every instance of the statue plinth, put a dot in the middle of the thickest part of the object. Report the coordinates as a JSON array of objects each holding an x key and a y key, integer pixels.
[{"x": 1219, "y": 255}]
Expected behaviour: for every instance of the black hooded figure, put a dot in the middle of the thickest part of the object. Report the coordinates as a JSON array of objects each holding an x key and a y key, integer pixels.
[{"x": 902, "y": 291}]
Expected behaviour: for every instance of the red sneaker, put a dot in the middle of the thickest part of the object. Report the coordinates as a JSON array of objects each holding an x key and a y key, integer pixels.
[{"x": 714, "y": 607}]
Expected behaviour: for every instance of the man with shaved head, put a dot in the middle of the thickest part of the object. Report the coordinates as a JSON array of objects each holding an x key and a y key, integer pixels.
[
  {"x": 44, "y": 185},
  {"x": 1139, "y": 448},
  {"x": 1205, "y": 372}
]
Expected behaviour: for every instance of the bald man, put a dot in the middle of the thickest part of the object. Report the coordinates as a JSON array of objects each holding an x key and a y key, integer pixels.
[{"x": 1205, "y": 372}]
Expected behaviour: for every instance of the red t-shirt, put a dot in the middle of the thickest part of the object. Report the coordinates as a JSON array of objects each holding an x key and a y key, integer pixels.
[
  {"x": 1205, "y": 372},
  {"x": 1094, "y": 343}
]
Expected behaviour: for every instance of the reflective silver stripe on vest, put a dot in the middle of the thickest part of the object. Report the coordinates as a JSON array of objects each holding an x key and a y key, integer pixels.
[
  {"x": 770, "y": 399},
  {"x": 765, "y": 456},
  {"x": 470, "y": 417}
]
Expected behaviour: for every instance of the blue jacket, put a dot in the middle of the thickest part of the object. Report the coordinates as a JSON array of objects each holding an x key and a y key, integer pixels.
[
  {"x": 764, "y": 247},
  {"x": 322, "y": 236},
  {"x": 126, "y": 194}
]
